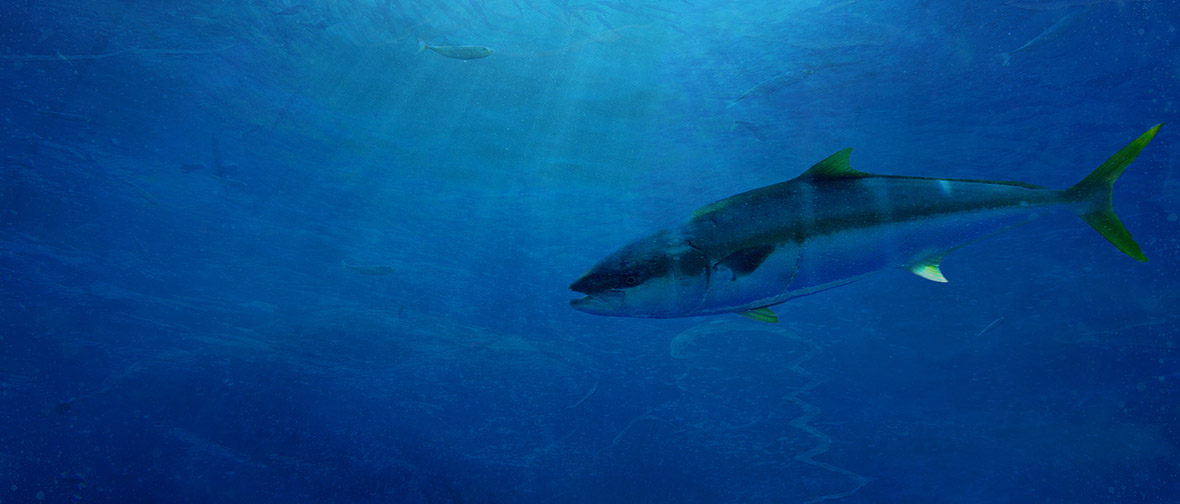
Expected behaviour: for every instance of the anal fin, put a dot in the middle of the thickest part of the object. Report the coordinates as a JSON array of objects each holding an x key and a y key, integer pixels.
[{"x": 929, "y": 269}]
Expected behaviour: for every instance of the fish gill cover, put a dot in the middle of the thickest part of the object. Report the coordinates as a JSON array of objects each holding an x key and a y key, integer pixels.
[{"x": 271, "y": 251}]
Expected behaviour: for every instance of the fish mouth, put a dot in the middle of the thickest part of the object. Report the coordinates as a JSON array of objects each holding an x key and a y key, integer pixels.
[{"x": 599, "y": 303}]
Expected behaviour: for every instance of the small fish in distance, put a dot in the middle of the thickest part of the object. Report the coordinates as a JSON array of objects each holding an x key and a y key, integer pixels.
[
  {"x": 1054, "y": 32},
  {"x": 466, "y": 52}
]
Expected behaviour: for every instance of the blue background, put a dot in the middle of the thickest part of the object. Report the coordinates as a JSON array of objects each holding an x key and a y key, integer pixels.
[{"x": 180, "y": 182}]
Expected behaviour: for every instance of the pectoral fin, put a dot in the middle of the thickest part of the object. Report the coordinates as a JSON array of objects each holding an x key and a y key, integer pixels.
[
  {"x": 763, "y": 314},
  {"x": 745, "y": 261}
]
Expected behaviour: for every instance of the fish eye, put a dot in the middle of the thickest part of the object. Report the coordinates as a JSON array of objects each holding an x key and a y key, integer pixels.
[{"x": 631, "y": 280}]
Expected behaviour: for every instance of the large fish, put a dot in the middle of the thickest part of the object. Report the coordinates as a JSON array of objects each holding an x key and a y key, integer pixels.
[{"x": 830, "y": 226}]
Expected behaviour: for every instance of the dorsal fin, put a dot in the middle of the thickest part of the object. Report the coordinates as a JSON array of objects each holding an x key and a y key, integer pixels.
[
  {"x": 711, "y": 207},
  {"x": 835, "y": 166}
]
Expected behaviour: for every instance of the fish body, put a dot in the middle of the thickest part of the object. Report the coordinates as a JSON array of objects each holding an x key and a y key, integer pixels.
[
  {"x": 1053, "y": 32},
  {"x": 773, "y": 84},
  {"x": 468, "y": 52},
  {"x": 757, "y": 131},
  {"x": 829, "y": 227},
  {"x": 228, "y": 182},
  {"x": 142, "y": 192},
  {"x": 142, "y": 250},
  {"x": 65, "y": 116}
]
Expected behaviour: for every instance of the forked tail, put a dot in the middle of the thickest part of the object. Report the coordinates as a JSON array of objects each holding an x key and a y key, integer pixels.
[{"x": 1092, "y": 196}]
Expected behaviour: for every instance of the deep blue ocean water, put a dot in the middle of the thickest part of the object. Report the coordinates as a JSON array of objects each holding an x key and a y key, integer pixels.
[{"x": 181, "y": 185}]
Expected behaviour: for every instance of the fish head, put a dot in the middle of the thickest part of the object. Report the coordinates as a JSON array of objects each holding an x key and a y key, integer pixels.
[{"x": 659, "y": 276}]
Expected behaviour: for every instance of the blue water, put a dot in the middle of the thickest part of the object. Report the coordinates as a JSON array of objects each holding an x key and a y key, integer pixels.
[{"x": 180, "y": 183}]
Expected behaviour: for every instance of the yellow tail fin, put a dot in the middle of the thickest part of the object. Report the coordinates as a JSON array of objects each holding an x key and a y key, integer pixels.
[{"x": 1093, "y": 196}]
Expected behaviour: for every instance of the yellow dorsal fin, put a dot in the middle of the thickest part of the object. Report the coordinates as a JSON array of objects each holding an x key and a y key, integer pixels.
[
  {"x": 835, "y": 166},
  {"x": 928, "y": 269},
  {"x": 711, "y": 207},
  {"x": 763, "y": 314}
]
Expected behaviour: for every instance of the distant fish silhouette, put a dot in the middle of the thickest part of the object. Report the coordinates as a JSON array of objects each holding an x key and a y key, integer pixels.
[
  {"x": 604, "y": 22},
  {"x": 221, "y": 169},
  {"x": 142, "y": 250},
  {"x": 143, "y": 193},
  {"x": 189, "y": 168},
  {"x": 65, "y": 116},
  {"x": 757, "y": 131},
  {"x": 468, "y": 52},
  {"x": 1051, "y": 33},
  {"x": 773, "y": 84},
  {"x": 586, "y": 396},
  {"x": 228, "y": 182}
]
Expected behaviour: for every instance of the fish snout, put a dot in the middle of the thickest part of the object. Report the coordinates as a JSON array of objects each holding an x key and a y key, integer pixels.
[
  {"x": 591, "y": 305},
  {"x": 601, "y": 303}
]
